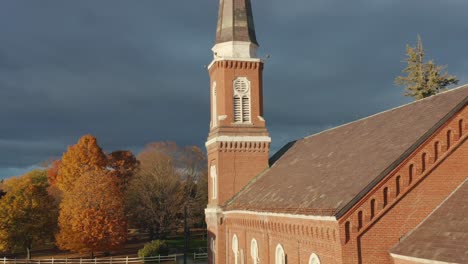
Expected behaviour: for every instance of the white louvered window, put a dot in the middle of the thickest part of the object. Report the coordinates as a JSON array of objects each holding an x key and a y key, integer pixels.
[
  {"x": 214, "y": 181},
  {"x": 235, "y": 249},
  {"x": 214, "y": 107},
  {"x": 254, "y": 251},
  {"x": 314, "y": 259},
  {"x": 242, "y": 106},
  {"x": 280, "y": 256}
]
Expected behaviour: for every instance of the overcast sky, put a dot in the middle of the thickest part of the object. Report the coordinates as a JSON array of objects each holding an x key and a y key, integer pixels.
[{"x": 132, "y": 72}]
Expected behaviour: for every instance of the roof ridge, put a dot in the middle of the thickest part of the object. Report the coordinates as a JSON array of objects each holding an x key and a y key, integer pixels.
[{"x": 386, "y": 111}]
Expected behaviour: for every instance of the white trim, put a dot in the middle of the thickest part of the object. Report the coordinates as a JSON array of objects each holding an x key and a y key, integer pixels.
[
  {"x": 420, "y": 260},
  {"x": 213, "y": 210},
  {"x": 235, "y": 49},
  {"x": 298, "y": 216},
  {"x": 234, "y": 59},
  {"x": 238, "y": 139}
]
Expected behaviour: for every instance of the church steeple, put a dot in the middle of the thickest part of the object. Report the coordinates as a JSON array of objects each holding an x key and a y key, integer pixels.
[
  {"x": 238, "y": 143},
  {"x": 235, "y": 34},
  {"x": 235, "y": 22}
]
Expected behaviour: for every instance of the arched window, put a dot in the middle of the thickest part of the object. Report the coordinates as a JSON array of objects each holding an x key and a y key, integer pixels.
[
  {"x": 254, "y": 251},
  {"x": 214, "y": 181},
  {"x": 347, "y": 231},
  {"x": 436, "y": 151},
  {"x": 423, "y": 162},
  {"x": 359, "y": 220},
  {"x": 449, "y": 139},
  {"x": 397, "y": 186},
  {"x": 460, "y": 128},
  {"x": 314, "y": 259},
  {"x": 213, "y": 249},
  {"x": 235, "y": 249},
  {"x": 214, "y": 106},
  {"x": 242, "y": 107},
  {"x": 385, "y": 196},
  {"x": 410, "y": 174},
  {"x": 372, "y": 208},
  {"x": 280, "y": 256}
]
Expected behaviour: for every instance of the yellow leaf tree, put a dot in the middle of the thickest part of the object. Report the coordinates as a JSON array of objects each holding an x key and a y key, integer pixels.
[
  {"x": 79, "y": 159},
  {"x": 28, "y": 214},
  {"x": 92, "y": 215}
]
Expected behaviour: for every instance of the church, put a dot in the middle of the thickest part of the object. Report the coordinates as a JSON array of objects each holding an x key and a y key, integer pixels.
[{"x": 389, "y": 188}]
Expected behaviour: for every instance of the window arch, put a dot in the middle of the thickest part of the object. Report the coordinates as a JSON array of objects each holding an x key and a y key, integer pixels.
[
  {"x": 423, "y": 162},
  {"x": 242, "y": 106},
  {"x": 436, "y": 151},
  {"x": 214, "y": 181},
  {"x": 280, "y": 256},
  {"x": 359, "y": 220},
  {"x": 460, "y": 128},
  {"x": 214, "y": 106},
  {"x": 385, "y": 196},
  {"x": 254, "y": 251},
  {"x": 397, "y": 186},
  {"x": 213, "y": 249},
  {"x": 314, "y": 259},
  {"x": 235, "y": 249},
  {"x": 410, "y": 174},
  {"x": 372, "y": 208},
  {"x": 347, "y": 231},
  {"x": 449, "y": 139}
]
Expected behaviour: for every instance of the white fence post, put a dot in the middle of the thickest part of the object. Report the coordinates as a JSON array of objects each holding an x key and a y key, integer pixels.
[
  {"x": 126, "y": 260},
  {"x": 52, "y": 260}
]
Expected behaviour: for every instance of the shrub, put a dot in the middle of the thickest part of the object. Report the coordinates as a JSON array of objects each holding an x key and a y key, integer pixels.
[{"x": 154, "y": 248}]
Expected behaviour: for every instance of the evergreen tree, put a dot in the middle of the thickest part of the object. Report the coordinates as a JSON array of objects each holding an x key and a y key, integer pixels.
[{"x": 423, "y": 79}]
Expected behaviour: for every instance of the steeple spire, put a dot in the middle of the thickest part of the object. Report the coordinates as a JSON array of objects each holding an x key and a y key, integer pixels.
[
  {"x": 235, "y": 22},
  {"x": 235, "y": 34}
]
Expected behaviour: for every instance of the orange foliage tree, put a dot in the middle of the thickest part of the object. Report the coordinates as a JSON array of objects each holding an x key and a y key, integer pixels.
[
  {"x": 92, "y": 215},
  {"x": 28, "y": 214},
  {"x": 122, "y": 164},
  {"x": 79, "y": 159}
]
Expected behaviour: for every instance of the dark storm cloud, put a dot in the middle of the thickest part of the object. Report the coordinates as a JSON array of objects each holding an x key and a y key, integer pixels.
[{"x": 131, "y": 72}]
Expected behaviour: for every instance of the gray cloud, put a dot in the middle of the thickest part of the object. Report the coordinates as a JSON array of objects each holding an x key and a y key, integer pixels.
[{"x": 132, "y": 72}]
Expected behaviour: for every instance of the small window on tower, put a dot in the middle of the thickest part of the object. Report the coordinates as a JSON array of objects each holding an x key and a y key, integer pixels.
[{"x": 242, "y": 106}]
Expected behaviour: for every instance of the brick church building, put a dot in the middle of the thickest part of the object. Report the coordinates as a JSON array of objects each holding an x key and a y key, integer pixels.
[{"x": 389, "y": 188}]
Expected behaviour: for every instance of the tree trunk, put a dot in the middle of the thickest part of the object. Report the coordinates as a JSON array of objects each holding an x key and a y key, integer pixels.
[{"x": 28, "y": 252}]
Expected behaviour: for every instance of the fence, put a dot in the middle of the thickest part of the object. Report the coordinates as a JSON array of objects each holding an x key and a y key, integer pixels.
[
  {"x": 127, "y": 260},
  {"x": 200, "y": 256}
]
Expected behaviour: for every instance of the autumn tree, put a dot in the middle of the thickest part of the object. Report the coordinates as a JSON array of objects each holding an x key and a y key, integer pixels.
[
  {"x": 123, "y": 165},
  {"x": 28, "y": 214},
  {"x": 92, "y": 214},
  {"x": 80, "y": 159},
  {"x": 423, "y": 79},
  {"x": 167, "y": 181}
]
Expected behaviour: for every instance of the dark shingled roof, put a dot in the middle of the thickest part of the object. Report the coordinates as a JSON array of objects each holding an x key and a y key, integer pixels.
[
  {"x": 235, "y": 22},
  {"x": 327, "y": 173},
  {"x": 443, "y": 236}
]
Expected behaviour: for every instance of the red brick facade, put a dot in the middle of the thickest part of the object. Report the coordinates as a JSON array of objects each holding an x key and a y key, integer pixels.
[
  {"x": 366, "y": 228},
  {"x": 369, "y": 239}
]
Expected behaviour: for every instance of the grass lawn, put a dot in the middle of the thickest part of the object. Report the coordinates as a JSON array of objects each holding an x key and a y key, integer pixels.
[{"x": 194, "y": 244}]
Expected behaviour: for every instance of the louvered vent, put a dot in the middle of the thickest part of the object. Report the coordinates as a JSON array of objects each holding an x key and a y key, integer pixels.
[
  {"x": 242, "y": 107},
  {"x": 237, "y": 109},
  {"x": 245, "y": 109}
]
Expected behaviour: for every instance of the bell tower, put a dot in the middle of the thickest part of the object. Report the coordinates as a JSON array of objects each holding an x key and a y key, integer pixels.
[{"x": 238, "y": 143}]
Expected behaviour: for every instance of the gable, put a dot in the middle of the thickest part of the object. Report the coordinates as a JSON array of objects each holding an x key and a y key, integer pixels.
[{"x": 327, "y": 173}]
